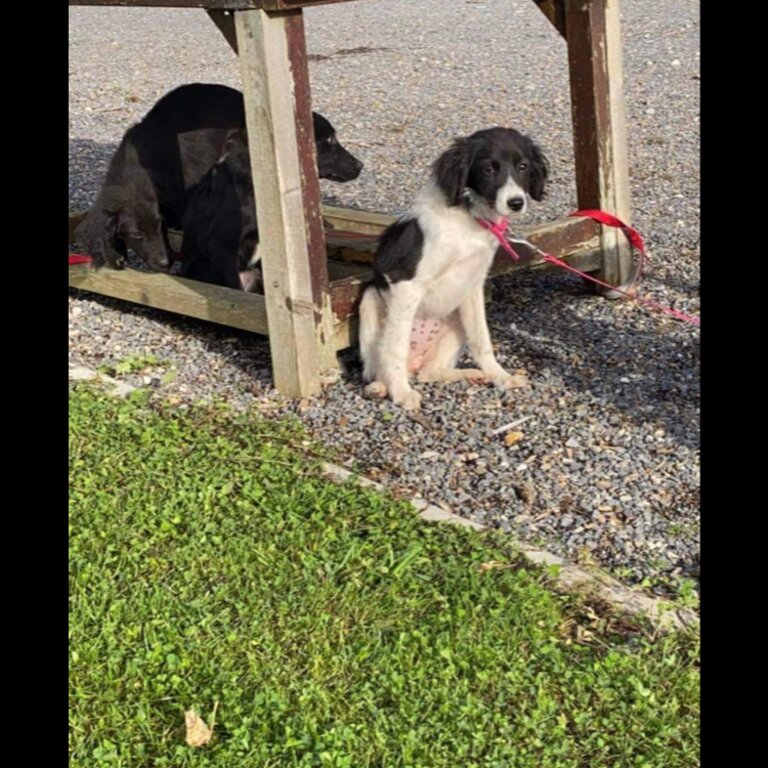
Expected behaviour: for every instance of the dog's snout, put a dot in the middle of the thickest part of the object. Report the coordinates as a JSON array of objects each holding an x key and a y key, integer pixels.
[
  {"x": 353, "y": 169},
  {"x": 355, "y": 166},
  {"x": 516, "y": 203}
]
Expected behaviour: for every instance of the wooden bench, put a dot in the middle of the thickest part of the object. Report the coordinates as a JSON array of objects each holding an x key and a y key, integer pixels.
[{"x": 314, "y": 261}]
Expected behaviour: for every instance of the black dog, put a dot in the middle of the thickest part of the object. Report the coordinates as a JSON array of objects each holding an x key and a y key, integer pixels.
[
  {"x": 220, "y": 230},
  {"x": 154, "y": 172}
]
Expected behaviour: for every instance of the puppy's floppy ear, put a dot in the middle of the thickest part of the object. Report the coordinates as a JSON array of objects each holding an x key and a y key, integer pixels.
[
  {"x": 97, "y": 233},
  {"x": 539, "y": 170},
  {"x": 451, "y": 170}
]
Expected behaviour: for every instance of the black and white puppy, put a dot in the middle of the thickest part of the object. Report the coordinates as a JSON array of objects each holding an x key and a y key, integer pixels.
[
  {"x": 221, "y": 234},
  {"x": 426, "y": 299}
]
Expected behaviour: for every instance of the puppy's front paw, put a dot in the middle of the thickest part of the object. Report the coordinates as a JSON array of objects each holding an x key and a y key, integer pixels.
[
  {"x": 376, "y": 389},
  {"x": 408, "y": 399},
  {"x": 514, "y": 382},
  {"x": 473, "y": 376},
  {"x": 501, "y": 378}
]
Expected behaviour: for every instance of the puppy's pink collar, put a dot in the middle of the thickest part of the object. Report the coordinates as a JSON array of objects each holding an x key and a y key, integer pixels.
[{"x": 499, "y": 231}]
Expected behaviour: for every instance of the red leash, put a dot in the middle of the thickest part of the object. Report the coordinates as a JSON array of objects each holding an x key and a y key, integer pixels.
[
  {"x": 636, "y": 241},
  {"x": 500, "y": 231}
]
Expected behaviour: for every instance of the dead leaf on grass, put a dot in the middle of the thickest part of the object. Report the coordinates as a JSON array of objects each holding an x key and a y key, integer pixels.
[{"x": 198, "y": 733}]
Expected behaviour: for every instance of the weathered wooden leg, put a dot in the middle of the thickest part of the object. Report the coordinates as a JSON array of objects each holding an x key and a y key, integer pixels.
[
  {"x": 281, "y": 140},
  {"x": 597, "y": 104}
]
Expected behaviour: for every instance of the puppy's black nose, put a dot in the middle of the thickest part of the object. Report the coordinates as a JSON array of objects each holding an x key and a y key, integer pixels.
[{"x": 516, "y": 203}]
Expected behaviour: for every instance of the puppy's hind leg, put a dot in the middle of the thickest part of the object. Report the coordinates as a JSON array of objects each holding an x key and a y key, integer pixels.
[
  {"x": 371, "y": 314},
  {"x": 393, "y": 350}
]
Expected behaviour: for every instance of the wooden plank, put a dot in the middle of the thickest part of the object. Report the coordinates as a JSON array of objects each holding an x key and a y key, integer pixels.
[
  {"x": 231, "y": 5},
  {"x": 235, "y": 309},
  {"x": 554, "y": 10},
  {"x": 597, "y": 104},
  {"x": 345, "y": 333},
  {"x": 576, "y": 240},
  {"x": 226, "y": 306},
  {"x": 344, "y": 219},
  {"x": 287, "y": 5},
  {"x": 293, "y": 257},
  {"x": 349, "y": 220},
  {"x": 345, "y": 297},
  {"x": 338, "y": 270},
  {"x": 310, "y": 186},
  {"x": 346, "y": 294},
  {"x": 353, "y": 253},
  {"x": 562, "y": 238},
  {"x": 190, "y": 298},
  {"x": 342, "y": 247}
]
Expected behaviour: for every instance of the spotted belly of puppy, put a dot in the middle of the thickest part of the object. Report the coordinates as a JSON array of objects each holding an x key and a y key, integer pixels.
[{"x": 426, "y": 332}]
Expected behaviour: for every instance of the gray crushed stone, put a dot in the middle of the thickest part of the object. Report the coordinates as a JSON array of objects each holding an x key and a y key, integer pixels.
[{"x": 607, "y": 470}]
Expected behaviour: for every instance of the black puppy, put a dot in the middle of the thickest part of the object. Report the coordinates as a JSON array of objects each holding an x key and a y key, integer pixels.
[
  {"x": 125, "y": 214},
  {"x": 220, "y": 230},
  {"x": 155, "y": 170}
]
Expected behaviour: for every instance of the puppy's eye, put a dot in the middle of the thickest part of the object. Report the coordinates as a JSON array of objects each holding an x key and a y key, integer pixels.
[
  {"x": 490, "y": 168},
  {"x": 523, "y": 166}
]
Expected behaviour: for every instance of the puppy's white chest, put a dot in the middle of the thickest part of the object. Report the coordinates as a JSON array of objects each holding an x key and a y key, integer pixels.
[{"x": 454, "y": 277}]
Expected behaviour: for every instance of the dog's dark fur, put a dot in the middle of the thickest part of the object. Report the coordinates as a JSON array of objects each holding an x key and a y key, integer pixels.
[
  {"x": 426, "y": 299},
  {"x": 125, "y": 214},
  {"x": 220, "y": 228},
  {"x": 155, "y": 170}
]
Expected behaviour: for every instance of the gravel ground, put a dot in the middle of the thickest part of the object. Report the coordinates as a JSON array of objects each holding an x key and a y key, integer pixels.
[{"x": 606, "y": 470}]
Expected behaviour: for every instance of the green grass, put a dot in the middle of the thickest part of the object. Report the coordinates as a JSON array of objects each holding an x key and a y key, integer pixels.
[
  {"x": 132, "y": 364},
  {"x": 209, "y": 562}
]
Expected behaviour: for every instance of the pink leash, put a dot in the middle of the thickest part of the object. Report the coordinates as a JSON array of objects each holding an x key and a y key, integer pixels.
[{"x": 499, "y": 231}]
